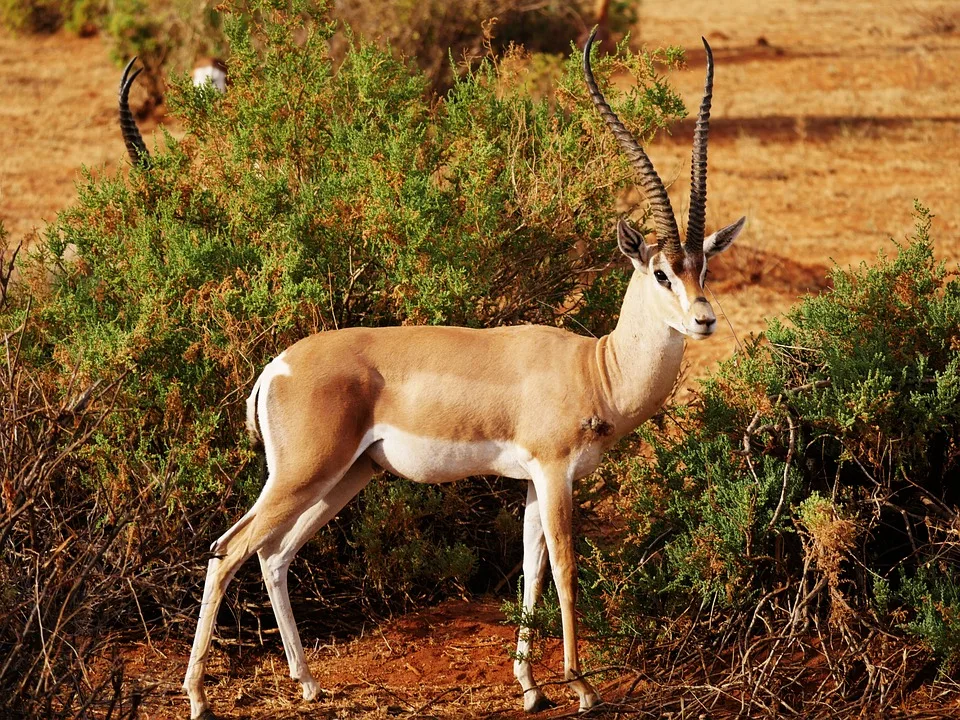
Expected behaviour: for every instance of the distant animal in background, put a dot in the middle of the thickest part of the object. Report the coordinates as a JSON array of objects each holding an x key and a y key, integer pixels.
[
  {"x": 136, "y": 148},
  {"x": 210, "y": 70}
]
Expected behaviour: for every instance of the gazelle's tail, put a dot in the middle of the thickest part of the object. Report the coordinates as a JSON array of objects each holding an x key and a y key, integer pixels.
[{"x": 253, "y": 429}]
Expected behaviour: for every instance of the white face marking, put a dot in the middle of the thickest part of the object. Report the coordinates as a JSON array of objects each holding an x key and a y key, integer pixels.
[
  {"x": 435, "y": 460},
  {"x": 676, "y": 285},
  {"x": 682, "y": 318}
]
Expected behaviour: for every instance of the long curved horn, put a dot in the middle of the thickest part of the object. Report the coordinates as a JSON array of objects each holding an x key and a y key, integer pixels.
[
  {"x": 137, "y": 149},
  {"x": 668, "y": 236},
  {"x": 698, "y": 163}
]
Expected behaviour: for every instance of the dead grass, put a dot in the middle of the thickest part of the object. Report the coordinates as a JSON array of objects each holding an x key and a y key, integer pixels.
[{"x": 939, "y": 20}]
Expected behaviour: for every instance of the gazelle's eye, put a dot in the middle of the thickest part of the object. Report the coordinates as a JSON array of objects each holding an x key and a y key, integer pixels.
[{"x": 661, "y": 277}]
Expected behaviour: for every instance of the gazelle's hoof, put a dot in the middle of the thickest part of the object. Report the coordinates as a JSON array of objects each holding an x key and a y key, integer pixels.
[
  {"x": 588, "y": 701},
  {"x": 535, "y": 702},
  {"x": 311, "y": 690},
  {"x": 207, "y": 714}
]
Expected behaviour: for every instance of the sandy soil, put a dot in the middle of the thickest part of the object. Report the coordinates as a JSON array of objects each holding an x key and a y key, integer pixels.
[
  {"x": 829, "y": 118},
  {"x": 58, "y": 113}
]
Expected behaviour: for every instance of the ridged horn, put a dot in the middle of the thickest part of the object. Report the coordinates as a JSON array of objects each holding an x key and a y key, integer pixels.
[
  {"x": 136, "y": 148},
  {"x": 668, "y": 236},
  {"x": 698, "y": 163}
]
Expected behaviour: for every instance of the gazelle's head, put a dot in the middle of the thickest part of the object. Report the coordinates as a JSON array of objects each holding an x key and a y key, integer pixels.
[{"x": 674, "y": 271}]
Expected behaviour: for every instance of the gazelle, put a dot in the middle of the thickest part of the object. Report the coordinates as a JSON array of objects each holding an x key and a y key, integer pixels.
[
  {"x": 208, "y": 70},
  {"x": 435, "y": 404}
]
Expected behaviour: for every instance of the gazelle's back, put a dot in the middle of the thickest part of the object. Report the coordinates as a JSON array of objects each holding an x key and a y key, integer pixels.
[{"x": 445, "y": 383}]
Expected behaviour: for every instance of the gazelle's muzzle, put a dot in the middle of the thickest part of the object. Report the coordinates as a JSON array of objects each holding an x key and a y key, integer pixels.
[{"x": 701, "y": 321}]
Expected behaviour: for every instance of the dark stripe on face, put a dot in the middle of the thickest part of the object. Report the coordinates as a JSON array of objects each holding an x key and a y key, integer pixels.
[{"x": 676, "y": 264}]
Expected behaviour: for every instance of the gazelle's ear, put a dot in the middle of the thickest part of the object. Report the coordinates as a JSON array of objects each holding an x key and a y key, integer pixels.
[
  {"x": 722, "y": 238},
  {"x": 632, "y": 244}
]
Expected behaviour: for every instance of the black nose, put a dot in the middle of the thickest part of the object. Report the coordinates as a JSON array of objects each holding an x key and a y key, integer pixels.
[{"x": 707, "y": 322}]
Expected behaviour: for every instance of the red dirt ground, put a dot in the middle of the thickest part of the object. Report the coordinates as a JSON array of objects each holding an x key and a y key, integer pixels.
[
  {"x": 447, "y": 661},
  {"x": 829, "y": 118}
]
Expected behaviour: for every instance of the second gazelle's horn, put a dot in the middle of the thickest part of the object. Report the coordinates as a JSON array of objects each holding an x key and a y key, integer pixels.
[
  {"x": 668, "y": 236},
  {"x": 698, "y": 163},
  {"x": 137, "y": 149}
]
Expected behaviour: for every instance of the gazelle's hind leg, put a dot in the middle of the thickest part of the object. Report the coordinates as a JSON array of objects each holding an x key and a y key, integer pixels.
[
  {"x": 274, "y": 516},
  {"x": 277, "y": 554},
  {"x": 230, "y": 552}
]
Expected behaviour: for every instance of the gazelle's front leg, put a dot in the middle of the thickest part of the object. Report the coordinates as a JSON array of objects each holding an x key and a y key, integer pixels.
[
  {"x": 554, "y": 488},
  {"x": 534, "y": 567}
]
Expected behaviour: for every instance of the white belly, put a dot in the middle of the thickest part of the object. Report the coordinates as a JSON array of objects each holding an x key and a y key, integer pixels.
[{"x": 432, "y": 460}]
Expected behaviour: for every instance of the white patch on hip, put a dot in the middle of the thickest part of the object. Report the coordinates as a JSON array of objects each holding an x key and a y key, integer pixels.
[{"x": 278, "y": 367}]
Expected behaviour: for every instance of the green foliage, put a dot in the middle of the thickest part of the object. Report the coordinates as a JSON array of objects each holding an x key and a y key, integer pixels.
[
  {"x": 821, "y": 452},
  {"x": 934, "y": 593},
  {"x": 308, "y": 198},
  {"x": 37, "y": 15},
  {"x": 400, "y": 537},
  {"x": 445, "y": 41}
]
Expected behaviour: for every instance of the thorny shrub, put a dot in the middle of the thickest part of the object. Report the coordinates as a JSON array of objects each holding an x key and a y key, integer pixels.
[
  {"x": 74, "y": 554},
  {"x": 805, "y": 501}
]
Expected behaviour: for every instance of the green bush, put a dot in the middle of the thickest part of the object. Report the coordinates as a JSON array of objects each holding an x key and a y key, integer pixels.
[
  {"x": 810, "y": 483},
  {"x": 32, "y": 15},
  {"x": 82, "y": 17}
]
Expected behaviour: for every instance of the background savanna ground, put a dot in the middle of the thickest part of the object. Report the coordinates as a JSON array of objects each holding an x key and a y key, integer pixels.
[{"x": 828, "y": 119}]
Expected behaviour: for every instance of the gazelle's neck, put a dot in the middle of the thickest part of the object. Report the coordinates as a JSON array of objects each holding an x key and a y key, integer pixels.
[{"x": 639, "y": 360}]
